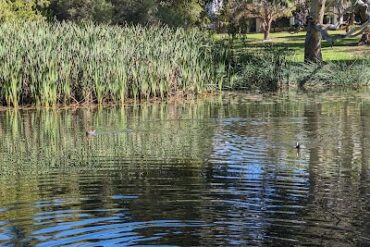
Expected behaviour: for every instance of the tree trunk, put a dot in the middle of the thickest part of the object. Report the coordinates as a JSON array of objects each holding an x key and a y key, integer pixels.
[
  {"x": 312, "y": 53},
  {"x": 365, "y": 38},
  {"x": 267, "y": 20},
  {"x": 267, "y": 29},
  {"x": 361, "y": 10},
  {"x": 321, "y": 10}
]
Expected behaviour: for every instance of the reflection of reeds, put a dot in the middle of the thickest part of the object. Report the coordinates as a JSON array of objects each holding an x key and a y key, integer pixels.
[
  {"x": 149, "y": 132},
  {"x": 41, "y": 140},
  {"x": 46, "y": 64}
]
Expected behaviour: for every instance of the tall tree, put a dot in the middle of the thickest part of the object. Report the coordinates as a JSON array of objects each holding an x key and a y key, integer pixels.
[
  {"x": 267, "y": 10},
  {"x": 181, "y": 13},
  {"x": 339, "y": 8},
  {"x": 169, "y": 12},
  {"x": 134, "y": 11},
  {"x": 312, "y": 52},
  {"x": 21, "y": 9},
  {"x": 6, "y": 12},
  {"x": 99, "y": 11}
]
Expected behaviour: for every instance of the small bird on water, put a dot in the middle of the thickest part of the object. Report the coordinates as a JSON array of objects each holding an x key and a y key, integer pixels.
[
  {"x": 297, "y": 145},
  {"x": 90, "y": 132}
]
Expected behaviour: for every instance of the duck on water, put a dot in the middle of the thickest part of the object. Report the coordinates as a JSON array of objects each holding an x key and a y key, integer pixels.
[
  {"x": 297, "y": 146},
  {"x": 90, "y": 132}
]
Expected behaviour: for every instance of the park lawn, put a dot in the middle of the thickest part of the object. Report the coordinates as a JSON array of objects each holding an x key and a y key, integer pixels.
[{"x": 346, "y": 49}]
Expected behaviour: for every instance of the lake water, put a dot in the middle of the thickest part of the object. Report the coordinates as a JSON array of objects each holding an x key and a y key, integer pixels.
[{"x": 220, "y": 172}]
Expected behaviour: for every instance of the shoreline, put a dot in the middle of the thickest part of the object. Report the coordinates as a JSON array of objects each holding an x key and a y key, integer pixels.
[
  {"x": 94, "y": 105},
  {"x": 253, "y": 95}
]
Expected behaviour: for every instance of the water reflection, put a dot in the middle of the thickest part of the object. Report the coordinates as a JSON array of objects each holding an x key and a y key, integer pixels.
[{"x": 207, "y": 172}]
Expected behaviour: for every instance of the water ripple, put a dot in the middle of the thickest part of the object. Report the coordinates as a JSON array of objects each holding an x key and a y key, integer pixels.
[
  {"x": 222, "y": 173},
  {"x": 106, "y": 231}
]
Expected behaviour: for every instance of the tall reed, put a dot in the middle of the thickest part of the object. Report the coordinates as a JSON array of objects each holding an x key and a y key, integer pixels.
[{"x": 46, "y": 64}]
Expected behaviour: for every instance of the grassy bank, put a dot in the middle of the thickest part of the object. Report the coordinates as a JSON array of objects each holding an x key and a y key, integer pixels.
[
  {"x": 47, "y": 64},
  {"x": 268, "y": 66},
  {"x": 345, "y": 49}
]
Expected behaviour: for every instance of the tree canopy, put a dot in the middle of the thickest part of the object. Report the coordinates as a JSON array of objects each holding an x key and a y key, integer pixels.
[
  {"x": 20, "y": 9},
  {"x": 267, "y": 10},
  {"x": 172, "y": 13}
]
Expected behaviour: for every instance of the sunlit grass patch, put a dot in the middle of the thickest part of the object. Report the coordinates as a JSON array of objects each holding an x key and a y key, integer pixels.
[
  {"x": 345, "y": 49},
  {"x": 254, "y": 64}
]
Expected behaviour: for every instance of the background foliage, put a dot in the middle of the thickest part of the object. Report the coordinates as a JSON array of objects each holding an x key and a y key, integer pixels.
[{"x": 173, "y": 12}]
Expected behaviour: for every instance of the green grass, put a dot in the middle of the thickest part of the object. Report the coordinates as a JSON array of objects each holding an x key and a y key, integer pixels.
[
  {"x": 345, "y": 49},
  {"x": 253, "y": 64}
]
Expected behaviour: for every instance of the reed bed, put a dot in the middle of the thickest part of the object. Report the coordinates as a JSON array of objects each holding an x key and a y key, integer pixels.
[{"x": 48, "y": 64}]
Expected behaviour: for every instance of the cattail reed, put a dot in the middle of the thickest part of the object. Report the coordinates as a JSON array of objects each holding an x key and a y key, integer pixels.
[{"x": 48, "y": 64}]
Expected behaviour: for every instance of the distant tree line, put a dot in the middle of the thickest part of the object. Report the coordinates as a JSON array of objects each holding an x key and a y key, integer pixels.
[
  {"x": 170, "y": 12},
  {"x": 187, "y": 13}
]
